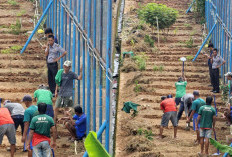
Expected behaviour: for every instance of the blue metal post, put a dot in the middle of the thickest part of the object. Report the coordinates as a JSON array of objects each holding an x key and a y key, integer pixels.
[
  {"x": 100, "y": 69},
  {"x": 55, "y": 30},
  {"x": 190, "y": 6},
  {"x": 36, "y": 27},
  {"x": 79, "y": 53},
  {"x": 225, "y": 155},
  {"x": 65, "y": 32},
  {"x": 52, "y": 14},
  {"x": 59, "y": 22},
  {"x": 94, "y": 65},
  {"x": 74, "y": 52},
  {"x": 83, "y": 58},
  {"x": 206, "y": 39},
  {"x": 88, "y": 69},
  {"x": 69, "y": 32},
  {"x": 62, "y": 33},
  {"x": 40, "y": 3},
  {"x": 230, "y": 54},
  {"x": 108, "y": 54},
  {"x": 222, "y": 43}
]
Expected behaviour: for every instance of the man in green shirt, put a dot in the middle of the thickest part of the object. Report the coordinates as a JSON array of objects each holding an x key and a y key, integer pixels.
[
  {"x": 180, "y": 92},
  {"x": 207, "y": 119},
  {"x": 40, "y": 131},
  {"x": 29, "y": 113},
  {"x": 197, "y": 103},
  {"x": 43, "y": 95}
]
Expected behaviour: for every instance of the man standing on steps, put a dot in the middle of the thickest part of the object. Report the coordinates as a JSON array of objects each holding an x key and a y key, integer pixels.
[
  {"x": 197, "y": 103},
  {"x": 52, "y": 53},
  {"x": 30, "y": 112},
  {"x": 43, "y": 95},
  {"x": 168, "y": 106},
  {"x": 180, "y": 92},
  {"x": 207, "y": 119},
  {"x": 210, "y": 46},
  {"x": 40, "y": 131},
  {"x": 217, "y": 61},
  {"x": 66, "y": 77}
]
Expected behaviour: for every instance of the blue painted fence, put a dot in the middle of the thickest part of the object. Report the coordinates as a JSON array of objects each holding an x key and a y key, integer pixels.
[
  {"x": 84, "y": 28},
  {"x": 218, "y": 15}
]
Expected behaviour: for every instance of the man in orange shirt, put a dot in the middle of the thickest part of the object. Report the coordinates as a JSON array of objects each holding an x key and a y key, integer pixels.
[
  {"x": 7, "y": 128},
  {"x": 168, "y": 106}
]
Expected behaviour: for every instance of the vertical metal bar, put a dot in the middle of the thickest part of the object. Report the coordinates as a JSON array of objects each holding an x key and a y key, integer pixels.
[
  {"x": 94, "y": 65},
  {"x": 59, "y": 22},
  {"x": 88, "y": 68},
  {"x": 83, "y": 58},
  {"x": 79, "y": 53},
  {"x": 108, "y": 54},
  {"x": 52, "y": 14},
  {"x": 69, "y": 32},
  {"x": 40, "y": 3},
  {"x": 65, "y": 32},
  {"x": 100, "y": 69},
  {"x": 62, "y": 33},
  {"x": 74, "y": 51},
  {"x": 55, "y": 30},
  {"x": 230, "y": 54}
]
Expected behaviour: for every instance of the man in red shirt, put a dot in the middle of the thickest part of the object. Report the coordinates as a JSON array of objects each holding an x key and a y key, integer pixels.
[
  {"x": 7, "y": 128},
  {"x": 168, "y": 106}
]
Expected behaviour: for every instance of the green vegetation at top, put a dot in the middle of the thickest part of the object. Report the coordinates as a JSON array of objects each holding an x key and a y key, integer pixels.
[
  {"x": 12, "y": 2},
  {"x": 166, "y": 16}
]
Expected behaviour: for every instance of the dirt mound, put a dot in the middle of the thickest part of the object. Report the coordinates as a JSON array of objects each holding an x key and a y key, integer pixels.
[
  {"x": 129, "y": 66},
  {"x": 151, "y": 154},
  {"x": 140, "y": 144}
]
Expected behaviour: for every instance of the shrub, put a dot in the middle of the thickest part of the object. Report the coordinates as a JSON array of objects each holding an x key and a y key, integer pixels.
[
  {"x": 12, "y": 2},
  {"x": 21, "y": 13},
  {"x": 225, "y": 92},
  {"x": 189, "y": 43},
  {"x": 16, "y": 29},
  {"x": 149, "y": 40},
  {"x": 6, "y": 51},
  {"x": 137, "y": 88},
  {"x": 166, "y": 16},
  {"x": 16, "y": 47},
  {"x": 140, "y": 60}
]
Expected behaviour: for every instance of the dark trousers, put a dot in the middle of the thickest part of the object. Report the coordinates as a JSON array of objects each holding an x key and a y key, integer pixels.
[
  {"x": 215, "y": 79},
  {"x": 210, "y": 74},
  {"x": 18, "y": 120},
  {"x": 52, "y": 70}
]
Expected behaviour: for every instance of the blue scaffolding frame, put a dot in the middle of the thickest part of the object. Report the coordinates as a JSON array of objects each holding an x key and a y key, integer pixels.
[
  {"x": 219, "y": 24},
  {"x": 93, "y": 46}
]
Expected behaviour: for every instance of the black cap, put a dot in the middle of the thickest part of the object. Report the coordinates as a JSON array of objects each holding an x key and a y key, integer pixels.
[
  {"x": 27, "y": 98},
  {"x": 196, "y": 92}
]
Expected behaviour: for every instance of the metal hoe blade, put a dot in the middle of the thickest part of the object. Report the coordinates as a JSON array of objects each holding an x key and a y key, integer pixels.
[{"x": 183, "y": 59}]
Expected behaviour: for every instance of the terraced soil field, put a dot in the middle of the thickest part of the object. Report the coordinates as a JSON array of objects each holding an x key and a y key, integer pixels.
[
  {"x": 21, "y": 74},
  {"x": 146, "y": 87}
]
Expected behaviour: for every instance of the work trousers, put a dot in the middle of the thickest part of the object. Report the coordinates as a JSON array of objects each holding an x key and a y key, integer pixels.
[
  {"x": 52, "y": 71},
  {"x": 215, "y": 79}
]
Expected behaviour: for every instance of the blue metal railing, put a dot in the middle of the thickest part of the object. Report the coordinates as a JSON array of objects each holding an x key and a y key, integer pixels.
[
  {"x": 79, "y": 29},
  {"x": 219, "y": 24}
]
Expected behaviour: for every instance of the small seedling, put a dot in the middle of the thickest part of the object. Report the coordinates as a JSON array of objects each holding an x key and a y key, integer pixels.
[
  {"x": 16, "y": 29},
  {"x": 16, "y": 47},
  {"x": 147, "y": 133},
  {"x": 21, "y": 13},
  {"x": 158, "y": 68},
  {"x": 7, "y": 51},
  {"x": 161, "y": 68},
  {"x": 189, "y": 58},
  {"x": 193, "y": 33},
  {"x": 137, "y": 88},
  {"x": 187, "y": 25},
  {"x": 225, "y": 92},
  {"x": 155, "y": 68},
  {"x": 189, "y": 43},
  {"x": 12, "y": 2},
  {"x": 175, "y": 30}
]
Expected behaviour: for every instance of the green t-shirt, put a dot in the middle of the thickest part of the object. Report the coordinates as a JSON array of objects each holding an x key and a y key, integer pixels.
[
  {"x": 197, "y": 104},
  {"x": 43, "y": 96},
  {"x": 29, "y": 113},
  {"x": 180, "y": 89},
  {"x": 41, "y": 124},
  {"x": 207, "y": 112}
]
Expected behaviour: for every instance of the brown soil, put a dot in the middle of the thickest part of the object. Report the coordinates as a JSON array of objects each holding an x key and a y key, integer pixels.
[
  {"x": 154, "y": 84},
  {"x": 21, "y": 74}
]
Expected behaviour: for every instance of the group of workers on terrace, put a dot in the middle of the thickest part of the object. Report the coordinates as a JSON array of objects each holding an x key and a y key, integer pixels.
[
  {"x": 38, "y": 121},
  {"x": 196, "y": 109}
]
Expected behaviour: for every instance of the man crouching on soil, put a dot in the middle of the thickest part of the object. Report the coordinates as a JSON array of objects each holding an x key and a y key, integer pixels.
[
  {"x": 76, "y": 124},
  {"x": 168, "y": 105}
]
